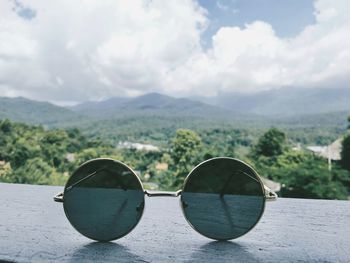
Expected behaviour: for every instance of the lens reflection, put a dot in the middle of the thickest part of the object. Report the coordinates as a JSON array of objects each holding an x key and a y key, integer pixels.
[
  {"x": 103, "y": 199},
  {"x": 223, "y": 198}
]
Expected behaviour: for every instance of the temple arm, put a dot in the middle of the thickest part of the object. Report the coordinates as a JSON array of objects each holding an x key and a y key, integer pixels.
[
  {"x": 59, "y": 196},
  {"x": 269, "y": 194}
]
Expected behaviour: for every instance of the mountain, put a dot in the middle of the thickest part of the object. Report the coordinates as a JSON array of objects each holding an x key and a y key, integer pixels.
[
  {"x": 151, "y": 103},
  {"x": 155, "y": 116},
  {"x": 99, "y": 105},
  {"x": 289, "y": 101},
  {"x": 36, "y": 112}
]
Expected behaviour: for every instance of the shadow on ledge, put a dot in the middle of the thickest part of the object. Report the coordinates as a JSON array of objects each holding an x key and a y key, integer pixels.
[
  {"x": 110, "y": 252},
  {"x": 222, "y": 251}
]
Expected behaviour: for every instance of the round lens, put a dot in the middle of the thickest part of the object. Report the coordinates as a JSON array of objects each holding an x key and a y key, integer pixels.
[
  {"x": 223, "y": 198},
  {"x": 103, "y": 199}
]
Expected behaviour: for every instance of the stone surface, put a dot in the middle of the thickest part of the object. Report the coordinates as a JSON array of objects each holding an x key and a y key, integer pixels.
[{"x": 33, "y": 228}]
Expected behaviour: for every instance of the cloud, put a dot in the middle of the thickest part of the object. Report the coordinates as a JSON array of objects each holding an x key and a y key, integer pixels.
[
  {"x": 95, "y": 48},
  {"x": 253, "y": 58},
  {"x": 222, "y": 6},
  {"x": 74, "y": 51}
]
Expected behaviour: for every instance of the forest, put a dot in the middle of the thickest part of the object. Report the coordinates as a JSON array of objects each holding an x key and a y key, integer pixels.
[{"x": 33, "y": 154}]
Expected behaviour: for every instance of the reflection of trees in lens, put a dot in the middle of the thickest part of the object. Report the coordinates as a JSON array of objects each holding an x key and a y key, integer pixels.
[
  {"x": 104, "y": 173},
  {"x": 224, "y": 175},
  {"x": 104, "y": 200},
  {"x": 223, "y": 198},
  {"x": 103, "y": 213}
]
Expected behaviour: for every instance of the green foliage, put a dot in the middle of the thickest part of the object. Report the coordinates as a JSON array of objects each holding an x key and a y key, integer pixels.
[
  {"x": 184, "y": 146},
  {"x": 272, "y": 143},
  {"x": 305, "y": 176},
  {"x": 32, "y": 154},
  {"x": 5, "y": 126},
  {"x": 184, "y": 152},
  {"x": 310, "y": 181},
  {"x": 5, "y": 171},
  {"x": 33, "y": 171},
  {"x": 345, "y": 153}
]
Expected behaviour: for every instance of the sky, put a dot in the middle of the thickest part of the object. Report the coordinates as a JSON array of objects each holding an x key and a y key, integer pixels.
[{"x": 67, "y": 51}]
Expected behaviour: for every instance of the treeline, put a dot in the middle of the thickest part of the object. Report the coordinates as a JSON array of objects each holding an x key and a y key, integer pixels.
[
  {"x": 31, "y": 154},
  {"x": 301, "y": 173},
  {"x": 158, "y": 128}
]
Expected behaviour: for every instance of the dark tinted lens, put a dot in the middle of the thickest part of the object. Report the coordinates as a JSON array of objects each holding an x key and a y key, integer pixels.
[
  {"x": 223, "y": 198},
  {"x": 103, "y": 199}
]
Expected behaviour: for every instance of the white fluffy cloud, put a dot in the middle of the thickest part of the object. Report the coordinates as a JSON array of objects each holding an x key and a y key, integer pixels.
[
  {"x": 79, "y": 50},
  {"x": 254, "y": 58}
]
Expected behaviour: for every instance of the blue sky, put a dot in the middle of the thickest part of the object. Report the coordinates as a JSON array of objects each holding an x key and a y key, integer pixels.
[
  {"x": 288, "y": 17},
  {"x": 22, "y": 11},
  {"x": 67, "y": 50}
]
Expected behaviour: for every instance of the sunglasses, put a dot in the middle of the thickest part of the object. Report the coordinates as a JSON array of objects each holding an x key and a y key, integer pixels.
[{"x": 221, "y": 198}]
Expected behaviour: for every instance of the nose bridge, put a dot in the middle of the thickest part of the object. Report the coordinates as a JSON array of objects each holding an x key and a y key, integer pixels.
[{"x": 161, "y": 193}]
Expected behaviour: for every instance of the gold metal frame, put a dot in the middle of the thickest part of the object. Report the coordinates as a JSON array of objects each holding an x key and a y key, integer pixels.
[
  {"x": 269, "y": 195},
  {"x": 60, "y": 196}
]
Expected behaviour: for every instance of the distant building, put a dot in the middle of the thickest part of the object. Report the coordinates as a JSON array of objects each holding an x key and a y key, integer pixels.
[
  {"x": 137, "y": 146},
  {"x": 70, "y": 157},
  {"x": 317, "y": 149},
  {"x": 331, "y": 152},
  {"x": 161, "y": 166}
]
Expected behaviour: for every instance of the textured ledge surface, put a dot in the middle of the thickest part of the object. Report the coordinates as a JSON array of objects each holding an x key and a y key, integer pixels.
[{"x": 33, "y": 228}]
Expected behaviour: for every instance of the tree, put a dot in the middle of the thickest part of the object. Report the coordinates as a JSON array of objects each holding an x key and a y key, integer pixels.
[
  {"x": 54, "y": 146},
  {"x": 21, "y": 151},
  {"x": 272, "y": 143},
  {"x": 184, "y": 152},
  {"x": 345, "y": 153},
  {"x": 304, "y": 175},
  {"x": 34, "y": 171},
  {"x": 5, "y": 171},
  {"x": 311, "y": 181},
  {"x": 5, "y": 126}
]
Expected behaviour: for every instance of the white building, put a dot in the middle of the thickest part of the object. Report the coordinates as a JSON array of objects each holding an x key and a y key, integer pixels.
[
  {"x": 138, "y": 146},
  {"x": 331, "y": 152}
]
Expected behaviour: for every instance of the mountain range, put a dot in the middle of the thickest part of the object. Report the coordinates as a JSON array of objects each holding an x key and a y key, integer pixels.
[
  {"x": 35, "y": 112},
  {"x": 151, "y": 103},
  {"x": 289, "y": 101},
  {"x": 278, "y": 102},
  {"x": 292, "y": 105}
]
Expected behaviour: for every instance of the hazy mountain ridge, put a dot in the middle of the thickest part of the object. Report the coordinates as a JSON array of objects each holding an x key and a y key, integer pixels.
[
  {"x": 151, "y": 103},
  {"x": 286, "y": 101},
  {"x": 284, "y": 107},
  {"x": 36, "y": 112}
]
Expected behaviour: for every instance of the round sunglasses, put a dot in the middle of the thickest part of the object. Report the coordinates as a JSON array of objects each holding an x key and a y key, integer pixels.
[{"x": 222, "y": 198}]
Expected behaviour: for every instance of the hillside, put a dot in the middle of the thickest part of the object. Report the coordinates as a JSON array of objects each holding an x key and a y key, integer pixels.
[
  {"x": 289, "y": 101},
  {"x": 155, "y": 117},
  {"x": 151, "y": 103},
  {"x": 36, "y": 112}
]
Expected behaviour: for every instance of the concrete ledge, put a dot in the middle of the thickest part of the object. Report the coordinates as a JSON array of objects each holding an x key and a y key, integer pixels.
[{"x": 33, "y": 228}]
